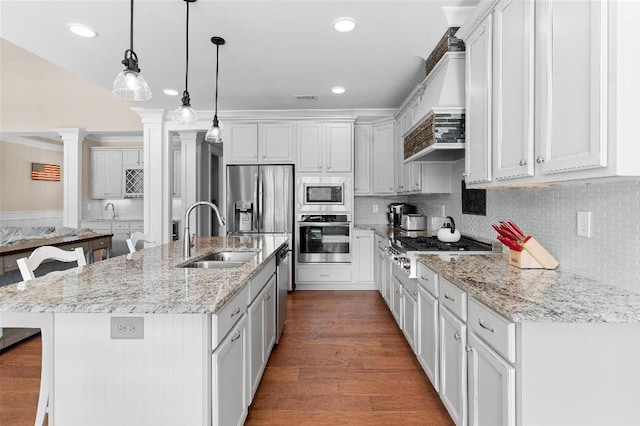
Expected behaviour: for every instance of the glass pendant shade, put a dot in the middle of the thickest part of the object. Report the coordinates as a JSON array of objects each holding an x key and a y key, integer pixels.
[
  {"x": 131, "y": 86},
  {"x": 185, "y": 115},
  {"x": 214, "y": 134}
]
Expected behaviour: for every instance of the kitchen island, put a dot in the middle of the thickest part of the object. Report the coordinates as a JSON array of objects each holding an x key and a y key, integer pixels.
[{"x": 173, "y": 328}]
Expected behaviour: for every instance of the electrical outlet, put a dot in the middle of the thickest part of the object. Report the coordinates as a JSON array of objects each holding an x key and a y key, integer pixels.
[
  {"x": 583, "y": 224},
  {"x": 127, "y": 327},
  {"x": 374, "y": 208}
]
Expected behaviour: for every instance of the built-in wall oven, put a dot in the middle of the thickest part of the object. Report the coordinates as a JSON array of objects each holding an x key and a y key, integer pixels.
[{"x": 324, "y": 239}]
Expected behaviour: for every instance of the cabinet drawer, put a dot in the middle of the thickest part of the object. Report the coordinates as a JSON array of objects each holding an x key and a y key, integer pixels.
[
  {"x": 494, "y": 329},
  {"x": 257, "y": 283},
  {"x": 453, "y": 298},
  {"x": 409, "y": 285},
  {"x": 120, "y": 226},
  {"x": 101, "y": 243},
  {"x": 428, "y": 279},
  {"x": 324, "y": 274},
  {"x": 137, "y": 226},
  {"x": 223, "y": 320}
]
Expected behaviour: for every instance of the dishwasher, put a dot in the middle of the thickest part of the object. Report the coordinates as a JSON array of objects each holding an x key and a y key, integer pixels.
[{"x": 283, "y": 285}]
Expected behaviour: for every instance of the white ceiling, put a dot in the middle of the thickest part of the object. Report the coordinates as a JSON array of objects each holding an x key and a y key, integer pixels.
[{"x": 274, "y": 51}]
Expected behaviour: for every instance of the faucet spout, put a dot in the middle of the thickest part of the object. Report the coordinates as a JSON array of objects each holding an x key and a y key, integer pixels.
[
  {"x": 113, "y": 211},
  {"x": 187, "y": 233}
]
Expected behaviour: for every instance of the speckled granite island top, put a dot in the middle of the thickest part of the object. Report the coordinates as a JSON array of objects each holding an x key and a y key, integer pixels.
[
  {"x": 148, "y": 281},
  {"x": 535, "y": 295}
]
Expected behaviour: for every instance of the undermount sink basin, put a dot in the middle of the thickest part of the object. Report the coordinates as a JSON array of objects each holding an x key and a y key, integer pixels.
[{"x": 222, "y": 259}]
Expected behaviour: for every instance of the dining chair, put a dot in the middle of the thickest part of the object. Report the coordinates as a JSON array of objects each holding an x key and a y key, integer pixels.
[{"x": 135, "y": 237}]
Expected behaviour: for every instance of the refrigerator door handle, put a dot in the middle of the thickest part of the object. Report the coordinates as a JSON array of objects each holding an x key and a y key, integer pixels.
[
  {"x": 256, "y": 207},
  {"x": 260, "y": 226}
]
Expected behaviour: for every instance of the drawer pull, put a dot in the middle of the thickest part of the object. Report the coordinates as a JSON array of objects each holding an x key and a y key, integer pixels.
[
  {"x": 398, "y": 291},
  {"x": 415, "y": 293},
  {"x": 468, "y": 348},
  {"x": 236, "y": 312},
  {"x": 456, "y": 336},
  {"x": 236, "y": 337},
  {"x": 484, "y": 326},
  {"x": 267, "y": 297},
  {"x": 446, "y": 296},
  {"x": 424, "y": 278}
]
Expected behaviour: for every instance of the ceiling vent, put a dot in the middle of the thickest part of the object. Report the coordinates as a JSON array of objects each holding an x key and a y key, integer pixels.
[{"x": 306, "y": 98}]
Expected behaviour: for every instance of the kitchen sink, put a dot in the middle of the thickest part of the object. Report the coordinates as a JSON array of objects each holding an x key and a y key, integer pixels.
[{"x": 222, "y": 259}]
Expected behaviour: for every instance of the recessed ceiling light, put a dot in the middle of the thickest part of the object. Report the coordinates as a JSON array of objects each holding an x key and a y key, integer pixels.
[
  {"x": 82, "y": 30},
  {"x": 338, "y": 90},
  {"x": 344, "y": 24},
  {"x": 171, "y": 92}
]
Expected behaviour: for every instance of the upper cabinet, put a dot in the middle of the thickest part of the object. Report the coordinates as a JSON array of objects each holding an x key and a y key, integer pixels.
[
  {"x": 105, "y": 173},
  {"x": 325, "y": 147},
  {"x": 362, "y": 152},
  {"x": 266, "y": 143},
  {"x": 383, "y": 157},
  {"x": 549, "y": 91}
]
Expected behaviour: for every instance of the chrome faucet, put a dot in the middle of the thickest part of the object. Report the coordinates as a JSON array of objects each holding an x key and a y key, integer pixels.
[
  {"x": 188, "y": 241},
  {"x": 113, "y": 210}
]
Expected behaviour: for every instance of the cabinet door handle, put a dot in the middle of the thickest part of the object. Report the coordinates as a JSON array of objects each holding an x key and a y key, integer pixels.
[
  {"x": 236, "y": 337},
  {"x": 424, "y": 278},
  {"x": 267, "y": 297},
  {"x": 484, "y": 326},
  {"x": 236, "y": 312},
  {"x": 523, "y": 162},
  {"x": 446, "y": 296},
  {"x": 468, "y": 348},
  {"x": 415, "y": 293},
  {"x": 456, "y": 336},
  {"x": 540, "y": 159}
]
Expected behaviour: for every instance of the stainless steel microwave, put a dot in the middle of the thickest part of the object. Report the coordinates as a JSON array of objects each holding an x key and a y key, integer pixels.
[{"x": 323, "y": 193}]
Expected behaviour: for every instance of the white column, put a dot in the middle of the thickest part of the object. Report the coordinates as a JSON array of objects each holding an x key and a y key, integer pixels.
[
  {"x": 72, "y": 176},
  {"x": 157, "y": 195},
  {"x": 190, "y": 168}
]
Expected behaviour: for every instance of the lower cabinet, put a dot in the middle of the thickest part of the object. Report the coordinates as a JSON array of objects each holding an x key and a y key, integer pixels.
[
  {"x": 262, "y": 334},
  {"x": 409, "y": 305},
  {"x": 427, "y": 342},
  {"x": 363, "y": 254},
  {"x": 492, "y": 386},
  {"x": 230, "y": 406},
  {"x": 396, "y": 300},
  {"x": 453, "y": 366}
]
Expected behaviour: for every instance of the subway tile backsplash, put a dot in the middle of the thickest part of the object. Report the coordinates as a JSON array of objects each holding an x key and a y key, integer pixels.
[{"x": 611, "y": 255}]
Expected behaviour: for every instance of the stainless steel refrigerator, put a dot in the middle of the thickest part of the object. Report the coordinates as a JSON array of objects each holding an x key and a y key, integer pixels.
[{"x": 260, "y": 199}]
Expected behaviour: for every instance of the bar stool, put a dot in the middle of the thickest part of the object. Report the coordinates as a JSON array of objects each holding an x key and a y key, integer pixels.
[{"x": 135, "y": 237}]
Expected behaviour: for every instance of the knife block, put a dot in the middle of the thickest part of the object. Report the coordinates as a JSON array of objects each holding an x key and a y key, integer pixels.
[{"x": 523, "y": 260}]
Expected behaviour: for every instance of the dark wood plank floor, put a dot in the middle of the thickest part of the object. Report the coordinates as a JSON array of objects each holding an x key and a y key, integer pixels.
[{"x": 342, "y": 360}]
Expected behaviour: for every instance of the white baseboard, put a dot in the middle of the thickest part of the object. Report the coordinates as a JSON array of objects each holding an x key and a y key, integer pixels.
[
  {"x": 27, "y": 219},
  {"x": 336, "y": 286}
]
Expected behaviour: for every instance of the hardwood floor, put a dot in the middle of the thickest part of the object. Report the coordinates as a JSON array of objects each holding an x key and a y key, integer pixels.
[
  {"x": 341, "y": 360},
  {"x": 20, "y": 382}
]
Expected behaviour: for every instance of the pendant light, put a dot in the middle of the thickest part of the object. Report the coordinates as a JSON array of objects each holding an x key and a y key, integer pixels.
[
  {"x": 214, "y": 134},
  {"x": 184, "y": 114},
  {"x": 129, "y": 84}
]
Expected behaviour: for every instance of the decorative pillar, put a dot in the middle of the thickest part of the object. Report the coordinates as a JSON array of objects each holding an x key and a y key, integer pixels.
[
  {"x": 190, "y": 170},
  {"x": 72, "y": 176},
  {"x": 157, "y": 195}
]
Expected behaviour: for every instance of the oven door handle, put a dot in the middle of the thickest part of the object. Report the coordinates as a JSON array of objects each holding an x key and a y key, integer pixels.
[{"x": 324, "y": 223}]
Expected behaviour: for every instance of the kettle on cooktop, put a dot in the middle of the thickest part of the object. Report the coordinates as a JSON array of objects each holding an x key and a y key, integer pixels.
[{"x": 448, "y": 233}]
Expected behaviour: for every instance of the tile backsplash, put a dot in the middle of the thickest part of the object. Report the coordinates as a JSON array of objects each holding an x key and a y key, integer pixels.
[{"x": 611, "y": 255}]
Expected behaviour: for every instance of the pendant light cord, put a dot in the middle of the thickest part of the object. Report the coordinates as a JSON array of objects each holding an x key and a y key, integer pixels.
[
  {"x": 131, "y": 32},
  {"x": 217, "y": 61},
  {"x": 186, "y": 73}
]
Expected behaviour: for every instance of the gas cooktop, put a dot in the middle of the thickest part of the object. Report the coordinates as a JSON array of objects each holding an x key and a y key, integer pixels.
[{"x": 412, "y": 244}]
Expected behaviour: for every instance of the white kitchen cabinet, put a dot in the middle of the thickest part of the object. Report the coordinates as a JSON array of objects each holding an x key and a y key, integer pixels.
[
  {"x": 427, "y": 343},
  {"x": 105, "y": 173},
  {"x": 491, "y": 386},
  {"x": 132, "y": 157},
  {"x": 363, "y": 254},
  {"x": 512, "y": 96},
  {"x": 270, "y": 326},
  {"x": 325, "y": 147},
  {"x": 261, "y": 332},
  {"x": 362, "y": 153},
  {"x": 453, "y": 365},
  {"x": 275, "y": 143},
  {"x": 409, "y": 313},
  {"x": 230, "y": 406},
  {"x": 121, "y": 232},
  {"x": 478, "y": 103},
  {"x": 383, "y": 157},
  {"x": 133, "y": 172},
  {"x": 241, "y": 143},
  {"x": 177, "y": 173},
  {"x": 396, "y": 301}
]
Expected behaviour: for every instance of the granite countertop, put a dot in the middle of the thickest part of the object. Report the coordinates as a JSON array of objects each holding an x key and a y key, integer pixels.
[
  {"x": 535, "y": 295},
  {"x": 117, "y": 219},
  {"x": 148, "y": 281}
]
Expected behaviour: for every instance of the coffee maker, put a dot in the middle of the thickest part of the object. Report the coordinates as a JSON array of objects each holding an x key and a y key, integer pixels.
[{"x": 396, "y": 210}]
